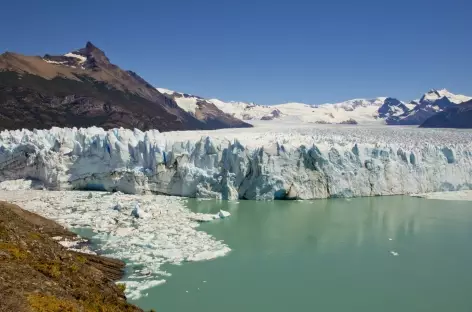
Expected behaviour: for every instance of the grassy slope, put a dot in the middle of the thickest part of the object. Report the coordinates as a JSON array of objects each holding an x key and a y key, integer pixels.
[{"x": 39, "y": 275}]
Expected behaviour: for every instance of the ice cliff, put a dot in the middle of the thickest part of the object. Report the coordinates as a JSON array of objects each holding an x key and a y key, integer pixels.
[{"x": 287, "y": 163}]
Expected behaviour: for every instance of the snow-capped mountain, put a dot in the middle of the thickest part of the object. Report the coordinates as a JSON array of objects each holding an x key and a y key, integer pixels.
[
  {"x": 432, "y": 102},
  {"x": 393, "y": 107},
  {"x": 360, "y": 110},
  {"x": 351, "y": 111},
  {"x": 204, "y": 110},
  {"x": 434, "y": 95}
]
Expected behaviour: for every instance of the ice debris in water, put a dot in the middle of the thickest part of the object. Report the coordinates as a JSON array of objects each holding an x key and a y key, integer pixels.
[
  {"x": 203, "y": 217},
  {"x": 296, "y": 162},
  {"x": 223, "y": 214},
  {"x": 168, "y": 234},
  {"x": 136, "y": 212},
  {"x": 117, "y": 207},
  {"x": 394, "y": 253}
]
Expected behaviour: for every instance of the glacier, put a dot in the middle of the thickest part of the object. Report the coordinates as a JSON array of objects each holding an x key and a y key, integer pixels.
[{"x": 287, "y": 162}]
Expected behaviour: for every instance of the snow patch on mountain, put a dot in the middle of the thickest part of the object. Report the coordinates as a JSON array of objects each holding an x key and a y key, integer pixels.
[
  {"x": 185, "y": 101},
  {"x": 82, "y": 59},
  {"x": 165, "y": 91}
]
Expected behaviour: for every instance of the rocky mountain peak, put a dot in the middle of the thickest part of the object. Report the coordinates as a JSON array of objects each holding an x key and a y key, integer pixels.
[
  {"x": 94, "y": 56},
  {"x": 392, "y": 107}
]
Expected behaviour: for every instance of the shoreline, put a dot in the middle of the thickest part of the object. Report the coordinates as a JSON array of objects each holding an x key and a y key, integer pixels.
[{"x": 39, "y": 274}]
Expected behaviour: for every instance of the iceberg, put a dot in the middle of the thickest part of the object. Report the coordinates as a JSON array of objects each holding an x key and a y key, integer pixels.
[
  {"x": 222, "y": 214},
  {"x": 304, "y": 162}
]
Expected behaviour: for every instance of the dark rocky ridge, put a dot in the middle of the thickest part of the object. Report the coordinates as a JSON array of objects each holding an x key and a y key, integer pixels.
[
  {"x": 84, "y": 89},
  {"x": 391, "y": 107},
  {"x": 430, "y": 103},
  {"x": 457, "y": 116}
]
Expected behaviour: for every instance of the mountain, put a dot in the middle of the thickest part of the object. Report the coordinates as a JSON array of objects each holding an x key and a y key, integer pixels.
[
  {"x": 392, "y": 107},
  {"x": 358, "y": 110},
  {"x": 457, "y": 116},
  {"x": 361, "y": 110},
  {"x": 430, "y": 103},
  {"x": 83, "y": 88},
  {"x": 380, "y": 110},
  {"x": 204, "y": 110}
]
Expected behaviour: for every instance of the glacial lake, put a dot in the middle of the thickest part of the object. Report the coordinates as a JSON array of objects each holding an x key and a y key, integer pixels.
[{"x": 366, "y": 254}]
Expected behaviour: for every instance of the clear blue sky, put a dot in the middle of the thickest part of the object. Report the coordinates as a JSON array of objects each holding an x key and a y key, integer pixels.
[{"x": 265, "y": 51}]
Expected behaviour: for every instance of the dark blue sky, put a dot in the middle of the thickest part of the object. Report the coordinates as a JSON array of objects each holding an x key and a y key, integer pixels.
[{"x": 265, "y": 51}]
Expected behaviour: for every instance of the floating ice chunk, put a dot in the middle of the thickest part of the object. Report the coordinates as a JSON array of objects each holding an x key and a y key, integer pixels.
[
  {"x": 123, "y": 231},
  {"x": 223, "y": 214},
  {"x": 134, "y": 289},
  {"x": 394, "y": 253},
  {"x": 202, "y": 217},
  {"x": 137, "y": 213},
  {"x": 13, "y": 185},
  {"x": 208, "y": 255},
  {"x": 117, "y": 207},
  {"x": 390, "y": 239}
]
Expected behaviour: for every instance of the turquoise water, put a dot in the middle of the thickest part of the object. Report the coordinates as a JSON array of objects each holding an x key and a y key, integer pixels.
[{"x": 329, "y": 255}]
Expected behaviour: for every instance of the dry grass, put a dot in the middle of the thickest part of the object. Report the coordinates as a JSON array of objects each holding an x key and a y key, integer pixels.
[{"x": 43, "y": 276}]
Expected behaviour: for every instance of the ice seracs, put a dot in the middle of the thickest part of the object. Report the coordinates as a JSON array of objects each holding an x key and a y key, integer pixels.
[{"x": 287, "y": 162}]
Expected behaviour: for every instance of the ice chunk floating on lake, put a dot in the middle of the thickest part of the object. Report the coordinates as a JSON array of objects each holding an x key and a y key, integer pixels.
[
  {"x": 256, "y": 163},
  {"x": 166, "y": 235}
]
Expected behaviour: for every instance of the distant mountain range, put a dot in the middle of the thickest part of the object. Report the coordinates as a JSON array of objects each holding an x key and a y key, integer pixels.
[
  {"x": 83, "y": 88},
  {"x": 382, "y": 110},
  {"x": 430, "y": 103}
]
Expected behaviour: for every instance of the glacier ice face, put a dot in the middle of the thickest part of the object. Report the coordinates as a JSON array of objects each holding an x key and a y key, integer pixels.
[{"x": 303, "y": 162}]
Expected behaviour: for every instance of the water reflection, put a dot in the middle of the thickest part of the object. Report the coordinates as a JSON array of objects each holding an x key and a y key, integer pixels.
[
  {"x": 329, "y": 255},
  {"x": 289, "y": 226}
]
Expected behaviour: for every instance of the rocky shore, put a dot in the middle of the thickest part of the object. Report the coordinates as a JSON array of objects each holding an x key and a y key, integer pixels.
[{"x": 37, "y": 274}]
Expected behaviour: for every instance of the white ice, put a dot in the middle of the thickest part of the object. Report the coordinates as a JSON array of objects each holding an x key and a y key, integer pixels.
[
  {"x": 289, "y": 161},
  {"x": 168, "y": 234},
  {"x": 458, "y": 195}
]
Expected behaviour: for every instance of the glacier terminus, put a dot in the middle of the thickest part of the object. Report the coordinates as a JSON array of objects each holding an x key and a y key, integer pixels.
[{"x": 264, "y": 163}]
